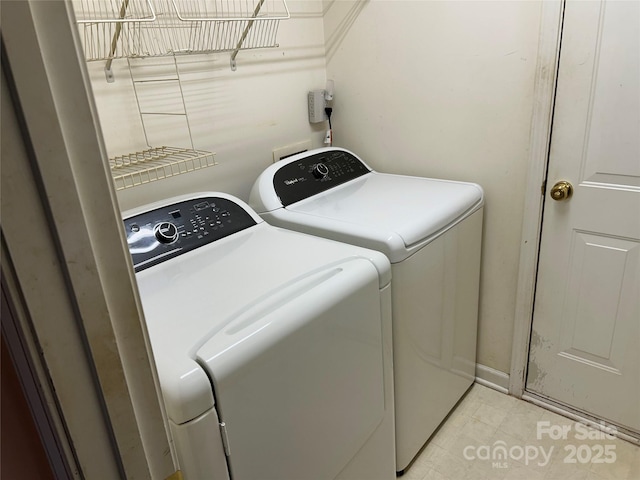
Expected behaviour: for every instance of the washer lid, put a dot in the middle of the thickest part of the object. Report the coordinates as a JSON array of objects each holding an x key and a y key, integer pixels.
[
  {"x": 190, "y": 299},
  {"x": 412, "y": 208}
]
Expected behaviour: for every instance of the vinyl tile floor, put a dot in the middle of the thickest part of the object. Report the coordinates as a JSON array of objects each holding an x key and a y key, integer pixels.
[{"x": 493, "y": 436}]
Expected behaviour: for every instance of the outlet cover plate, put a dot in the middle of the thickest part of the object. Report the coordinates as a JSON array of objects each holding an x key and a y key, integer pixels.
[{"x": 288, "y": 150}]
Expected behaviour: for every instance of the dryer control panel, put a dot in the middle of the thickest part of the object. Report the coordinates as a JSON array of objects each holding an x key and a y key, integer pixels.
[
  {"x": 169, "y": 231},
  {"x": 316, "y": 173}
]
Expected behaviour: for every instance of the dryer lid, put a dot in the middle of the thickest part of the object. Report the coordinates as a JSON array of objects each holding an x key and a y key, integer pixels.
[
  {"x": 412, "y": 208},
  {"x": 188, "y": 299},
  {"x": 222, "y": 293}
]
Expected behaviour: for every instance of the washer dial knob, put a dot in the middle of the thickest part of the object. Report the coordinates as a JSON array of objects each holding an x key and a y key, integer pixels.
[
  {"x": 320, "y": 170},
  {"x": 166, "y": 232}
]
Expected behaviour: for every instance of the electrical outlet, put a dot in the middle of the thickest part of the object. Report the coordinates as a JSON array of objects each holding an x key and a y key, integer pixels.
[
  {"x": 316, "y": 103},
  {"x": 289, "y": 150}
]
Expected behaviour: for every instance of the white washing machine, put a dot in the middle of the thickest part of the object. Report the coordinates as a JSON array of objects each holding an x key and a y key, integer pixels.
[
  {"x": 431, "y": 231},
  {"x": 273, "y": 348}
]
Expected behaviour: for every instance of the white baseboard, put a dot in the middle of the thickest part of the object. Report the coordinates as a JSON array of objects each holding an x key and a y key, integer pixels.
[{"x": 492, "y": 378}]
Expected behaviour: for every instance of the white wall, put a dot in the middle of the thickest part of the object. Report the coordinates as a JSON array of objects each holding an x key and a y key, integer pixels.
[
  {"x": 241, "y": 115},
  {"x": 444, "y": 89}
]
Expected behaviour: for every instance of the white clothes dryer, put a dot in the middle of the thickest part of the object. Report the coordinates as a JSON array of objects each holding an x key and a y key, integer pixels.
[
  {"x": 431, "y": 232},
  {"x": 273, "y": 348}
]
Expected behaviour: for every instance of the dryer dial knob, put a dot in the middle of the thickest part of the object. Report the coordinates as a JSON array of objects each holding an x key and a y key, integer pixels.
[
  {"x": 166, "y": 232},
  {"x": 320, "y": 170}
]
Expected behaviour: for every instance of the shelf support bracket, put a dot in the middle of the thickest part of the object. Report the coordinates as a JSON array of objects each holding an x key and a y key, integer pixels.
[
  {"x": 244, "y": 34},
  {"x": 114, "y": 43}
]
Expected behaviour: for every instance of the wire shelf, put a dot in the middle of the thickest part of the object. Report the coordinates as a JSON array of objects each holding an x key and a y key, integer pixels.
[
  {"x": 155, "y": 164},
  {"x": 113, "y": 29}
]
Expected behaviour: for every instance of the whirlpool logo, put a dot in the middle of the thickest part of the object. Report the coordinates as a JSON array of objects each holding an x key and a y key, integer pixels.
[{"x": 294, "y": 181}]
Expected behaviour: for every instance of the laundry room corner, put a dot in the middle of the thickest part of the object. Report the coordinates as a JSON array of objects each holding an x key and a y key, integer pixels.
[{"x": 442, "y": 90}]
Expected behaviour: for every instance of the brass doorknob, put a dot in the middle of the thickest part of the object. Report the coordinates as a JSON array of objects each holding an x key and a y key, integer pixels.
[{"x": 562, "y": 190}]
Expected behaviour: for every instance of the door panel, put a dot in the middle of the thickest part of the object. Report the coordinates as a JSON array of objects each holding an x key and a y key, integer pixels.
[
  {"x": 598, "y": 293},
  {"x": 611, "y": 149},
  {"x": 586, "y": 326}
]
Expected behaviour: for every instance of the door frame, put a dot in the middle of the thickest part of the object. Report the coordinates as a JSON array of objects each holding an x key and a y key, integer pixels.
[
  {"x": 65, "y": 261},
  {"x": 552, "y": 16}
]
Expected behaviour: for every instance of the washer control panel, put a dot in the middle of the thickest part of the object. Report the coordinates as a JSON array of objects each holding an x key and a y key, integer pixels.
[
  {"x": 169, "y": 231},
  {"x": 316, "y": 173}
]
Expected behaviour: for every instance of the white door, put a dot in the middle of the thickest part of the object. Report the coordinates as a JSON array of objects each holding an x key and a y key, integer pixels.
[{"x": 585, "y": 342}]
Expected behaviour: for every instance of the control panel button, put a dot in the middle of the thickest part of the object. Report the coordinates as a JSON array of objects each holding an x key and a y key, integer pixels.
[
  {"x": 166, "y": 232},
  {"x": 320, "y": 170}
]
